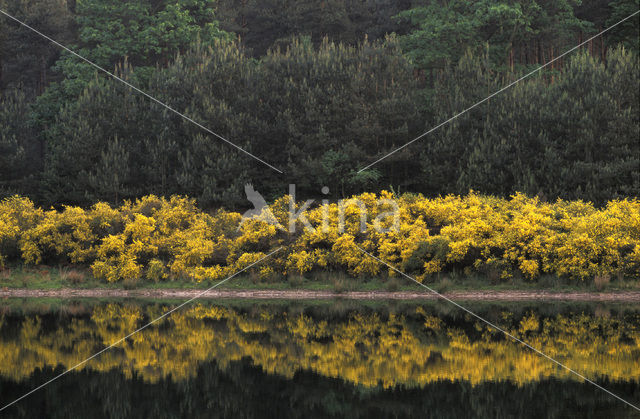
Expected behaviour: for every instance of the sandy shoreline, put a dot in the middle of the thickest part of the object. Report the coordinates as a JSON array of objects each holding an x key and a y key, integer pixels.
[{"x": 623, "y": 296}]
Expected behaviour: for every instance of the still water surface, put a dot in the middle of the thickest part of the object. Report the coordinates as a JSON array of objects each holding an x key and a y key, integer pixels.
[{"x": 322, "y": 359}]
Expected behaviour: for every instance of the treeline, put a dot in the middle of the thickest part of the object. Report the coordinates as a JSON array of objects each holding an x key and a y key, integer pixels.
[{"x": 315, "y": 99}]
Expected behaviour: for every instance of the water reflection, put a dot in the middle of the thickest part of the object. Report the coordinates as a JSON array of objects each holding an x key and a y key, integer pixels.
[{"x": 252, "y": 360}]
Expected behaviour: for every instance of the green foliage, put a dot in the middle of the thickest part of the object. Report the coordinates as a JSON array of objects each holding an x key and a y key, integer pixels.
[
  {"x": 17, "y": 144},
  {"x": 305, "y": 90},
  {"x": 327, "y": 110},
  {"x": 264, "y": 24},
  {"x": 116, "y": 34},
  {"x": 445, "y": 31},
  {"x": 11, "y": 151},
  {"x": 147, "y": 32},
  {"x": 627, "y": 32},
  {"x": 112, "y": 172},
  {"x": 571, "y": 138},
  {"x": 25, "y": 57},
  {"x": 333, "y": 101}
]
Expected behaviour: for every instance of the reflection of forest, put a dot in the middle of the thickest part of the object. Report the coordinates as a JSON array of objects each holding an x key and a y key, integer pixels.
[
  {"x": 240, "y": 390},
  {"x": 412, "y": 347}
]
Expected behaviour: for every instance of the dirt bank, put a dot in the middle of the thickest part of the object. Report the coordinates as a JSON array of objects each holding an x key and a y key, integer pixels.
[{"x": 627, "y": 296}]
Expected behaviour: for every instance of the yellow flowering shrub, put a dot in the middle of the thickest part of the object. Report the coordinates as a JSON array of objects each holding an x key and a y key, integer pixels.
[
  {"x": 17, "y": 215},
  {"x": 156, "y": 270},
  {"x": 170, "y": 238}
]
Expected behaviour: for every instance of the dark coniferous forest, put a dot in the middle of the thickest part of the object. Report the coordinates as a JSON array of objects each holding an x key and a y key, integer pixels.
[{"x": 318, "y": 89}]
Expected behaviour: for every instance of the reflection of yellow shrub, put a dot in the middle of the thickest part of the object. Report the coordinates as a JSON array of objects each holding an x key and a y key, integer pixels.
[
  {"x": 365, "y": 347},
  {"x": 161, "y": 238}
]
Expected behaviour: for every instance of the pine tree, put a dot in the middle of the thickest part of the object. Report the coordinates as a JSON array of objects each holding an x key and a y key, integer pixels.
[
  {"x": 112, "y": 174},
  {"x": 12, "y": 135}
]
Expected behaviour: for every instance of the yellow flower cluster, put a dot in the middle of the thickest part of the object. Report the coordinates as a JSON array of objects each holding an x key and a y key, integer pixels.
[{"x": 161, "y": 239}]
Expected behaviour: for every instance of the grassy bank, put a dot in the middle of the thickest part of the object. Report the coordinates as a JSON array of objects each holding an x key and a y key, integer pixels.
[{"x": 55, "y": 277}]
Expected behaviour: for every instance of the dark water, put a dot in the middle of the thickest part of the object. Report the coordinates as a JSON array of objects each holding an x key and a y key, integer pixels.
[{"x": 325, "y": 359}]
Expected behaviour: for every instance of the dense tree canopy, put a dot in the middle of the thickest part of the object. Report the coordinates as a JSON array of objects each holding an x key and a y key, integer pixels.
[
  {"x": 572, "y": 138},
  {"x": 311, "y": 111},
  {"x": 318, "y": 89},
  {"x": 523, "y": 32}
]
